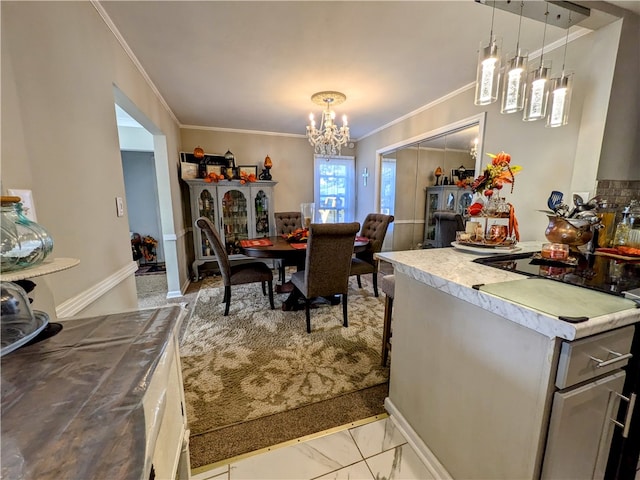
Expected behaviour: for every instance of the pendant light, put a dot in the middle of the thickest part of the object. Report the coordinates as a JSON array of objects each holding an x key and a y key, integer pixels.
[
  {"x": 535, "y": 105},
  {"x": 561, "y": 88},
  {"x": 488, "y": 73},
  {"x": 514, "y": 81}
]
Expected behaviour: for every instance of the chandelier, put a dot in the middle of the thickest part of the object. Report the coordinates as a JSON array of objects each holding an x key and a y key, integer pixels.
[{"x": 329, "y": 139}]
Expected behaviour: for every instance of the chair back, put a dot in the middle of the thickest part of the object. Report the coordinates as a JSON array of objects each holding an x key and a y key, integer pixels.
[
  {"x": 287, "y": 222},
  {"x": 374, "y": 228},
  {"x": 218, "y": 248},
  {"x": 328, "y": 261},
  {"x": 447, "y": 224}
]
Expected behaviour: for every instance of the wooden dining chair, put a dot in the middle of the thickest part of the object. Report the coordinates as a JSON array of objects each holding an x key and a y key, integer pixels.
[
  {"x": 374, "y": 228},
  {"x": 286, "y": 222},
  {"x": 447, "y": 224},
  {"x": 239, "y": 274},
  {"x": 327, "y": 265}
]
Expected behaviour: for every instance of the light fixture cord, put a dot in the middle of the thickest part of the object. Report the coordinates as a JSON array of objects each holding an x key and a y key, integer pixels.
[
  {"x": 566, "y": 42},
  {"x": 544, "y": 33},
  {"x": 519, "y": 25},
  {"x": 493, "y": 13}
]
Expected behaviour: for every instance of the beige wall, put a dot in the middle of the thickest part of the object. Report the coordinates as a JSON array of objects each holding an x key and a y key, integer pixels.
[
  {"x": 60, "y": 63},
  {"x": 549, "y": 157},
  {"x": 292, "y": 159}
]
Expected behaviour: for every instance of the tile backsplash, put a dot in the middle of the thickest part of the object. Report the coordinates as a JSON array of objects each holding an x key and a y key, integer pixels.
[{"x": 619, "y": 192}]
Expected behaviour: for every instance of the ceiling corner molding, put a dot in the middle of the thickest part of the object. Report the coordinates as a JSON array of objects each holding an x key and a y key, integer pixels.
[
  {"x": 421, "y": 109},
  {"x": 237, "y": 130},
  {"x": 107, "y": 20}
]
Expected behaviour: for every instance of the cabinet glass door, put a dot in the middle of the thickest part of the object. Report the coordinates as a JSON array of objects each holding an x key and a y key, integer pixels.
[
  {"x": 206, "y": 208},
  {"x": 450, "y": 201},
  {"x": 433, "y": 201},
  {"x": 261, "y": 207},
  {"x": 235, "y": 214}
]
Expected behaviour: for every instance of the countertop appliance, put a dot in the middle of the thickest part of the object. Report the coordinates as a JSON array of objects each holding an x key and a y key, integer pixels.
[
  {"x": 593, "y": 271},
  {"x": 600, "y": 396}
]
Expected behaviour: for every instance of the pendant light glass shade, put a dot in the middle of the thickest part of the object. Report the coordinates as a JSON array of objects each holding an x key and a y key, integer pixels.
[
  {"x": 514, "y": 81},
  {"x": 535, "y": 104},
  {"x": 560, "y": 100},
  {"x": 488, "y": 74}
]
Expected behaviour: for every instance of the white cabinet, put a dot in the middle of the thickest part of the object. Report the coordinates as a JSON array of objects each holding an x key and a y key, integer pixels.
[
  {"x": 443, "y": 198},
  {"x": 238, "y": 211}
]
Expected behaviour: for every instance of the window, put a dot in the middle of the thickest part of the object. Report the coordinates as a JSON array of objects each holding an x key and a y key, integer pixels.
[
  {"x": 388, "y": 186},
  {"x": 334, "y": 189}
]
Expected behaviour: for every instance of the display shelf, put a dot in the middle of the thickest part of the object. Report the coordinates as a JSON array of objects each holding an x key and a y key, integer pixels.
[{"x": 48, "y": 266}]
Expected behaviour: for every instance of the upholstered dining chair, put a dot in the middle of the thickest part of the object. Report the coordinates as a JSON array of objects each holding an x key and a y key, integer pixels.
[
  {"x": 240, "y": 274},
  {"x": 327, "y": 264},
  {"x": 286, "y": 222},
  {"x": 447, "y": 224},
  {"x": 374, "y": 228}
]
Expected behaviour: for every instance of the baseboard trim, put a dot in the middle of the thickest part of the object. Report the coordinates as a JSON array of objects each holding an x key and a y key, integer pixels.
[
  {"x": 74, "y": 305},
  {"x": 428, "y": 458}
]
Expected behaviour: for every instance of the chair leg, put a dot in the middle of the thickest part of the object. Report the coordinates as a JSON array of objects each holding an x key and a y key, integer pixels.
[
  {"x": 264, "y": 289},
  {"x": 386, "y": 330},
  {"x": 345, "y": 323},
  {"x": 307, "y": 311},
  {"x": 271, "y": 295},
  {"x": 227, "y": 299},
  {"x": 375, "y": 283},
  {"x": 359, "y": 281}
]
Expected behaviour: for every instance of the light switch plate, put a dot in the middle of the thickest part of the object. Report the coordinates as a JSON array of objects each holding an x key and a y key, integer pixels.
[{"x": 120, "y": 206}]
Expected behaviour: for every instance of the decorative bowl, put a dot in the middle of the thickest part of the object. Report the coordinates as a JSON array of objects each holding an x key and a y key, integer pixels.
[{"x": 569, "y": 231}]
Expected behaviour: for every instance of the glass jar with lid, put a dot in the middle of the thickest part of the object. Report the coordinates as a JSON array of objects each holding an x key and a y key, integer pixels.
[{"x": 23, "y": 243}]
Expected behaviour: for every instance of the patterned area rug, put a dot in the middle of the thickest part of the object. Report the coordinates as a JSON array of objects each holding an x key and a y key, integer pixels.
[{"x": 258, "y": 362}]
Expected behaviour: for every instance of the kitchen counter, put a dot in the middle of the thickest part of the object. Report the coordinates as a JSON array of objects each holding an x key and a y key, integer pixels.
[
  {"x": 453, "y": 271},
  {"x": 473, "y": 375},
  {"x": 91, "y": 401}
]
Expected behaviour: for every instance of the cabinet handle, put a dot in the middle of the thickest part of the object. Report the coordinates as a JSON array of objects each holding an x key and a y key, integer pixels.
[
  {"x": 606, "y": 363},
  {"x": 627, "y": 418}
]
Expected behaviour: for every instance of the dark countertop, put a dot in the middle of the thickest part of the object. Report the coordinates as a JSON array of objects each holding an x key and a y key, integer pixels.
[{"x": 72, "y": 404}]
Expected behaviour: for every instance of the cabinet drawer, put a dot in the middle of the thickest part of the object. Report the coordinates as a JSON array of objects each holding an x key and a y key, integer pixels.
[{"x": 593, "y": 356}]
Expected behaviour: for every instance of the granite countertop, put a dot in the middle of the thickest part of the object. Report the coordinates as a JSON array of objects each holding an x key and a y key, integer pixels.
[
  {"x": 72, "y": 404},
  {"x": 454, "y": 272}
]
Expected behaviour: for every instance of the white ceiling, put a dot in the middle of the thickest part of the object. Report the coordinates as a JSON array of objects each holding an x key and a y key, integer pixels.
[{"x": 254, "y": 65}]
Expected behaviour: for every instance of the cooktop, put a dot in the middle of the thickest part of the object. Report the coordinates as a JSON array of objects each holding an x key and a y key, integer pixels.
[{"x": 590, "y": 271}]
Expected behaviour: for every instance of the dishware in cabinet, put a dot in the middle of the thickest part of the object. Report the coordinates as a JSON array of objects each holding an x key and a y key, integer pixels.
[
  {"x": 237, "y": 211},
  {"x": 443, "y": 198},
  {"x": 204, "y": 204},
  {"x": 264, "y": 226}
]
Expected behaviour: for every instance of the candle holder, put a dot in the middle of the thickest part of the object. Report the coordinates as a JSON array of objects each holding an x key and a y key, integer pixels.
[{"x": 266, "y": 174}]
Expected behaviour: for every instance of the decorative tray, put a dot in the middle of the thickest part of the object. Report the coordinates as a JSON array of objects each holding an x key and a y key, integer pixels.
[{"x": 486, "y": 248}]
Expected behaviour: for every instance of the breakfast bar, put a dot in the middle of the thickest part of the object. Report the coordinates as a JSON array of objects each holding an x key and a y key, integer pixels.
[{"x": 479, "y": 383}]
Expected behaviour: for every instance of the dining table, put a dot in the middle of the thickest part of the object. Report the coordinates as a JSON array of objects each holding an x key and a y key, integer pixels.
[{"x": 279, "y": 247}]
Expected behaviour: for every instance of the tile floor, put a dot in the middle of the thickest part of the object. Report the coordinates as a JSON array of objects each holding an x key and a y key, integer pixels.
[{"x": 373, "y": 451}]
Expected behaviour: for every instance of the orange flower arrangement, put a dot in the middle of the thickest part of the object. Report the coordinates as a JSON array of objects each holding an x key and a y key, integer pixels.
[{"x": 496, "y": 175}]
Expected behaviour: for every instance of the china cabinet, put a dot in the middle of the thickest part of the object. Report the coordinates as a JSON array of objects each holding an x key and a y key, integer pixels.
[
  {"x": 238, "y": 211},
  {"x": 443, "y": 198}
]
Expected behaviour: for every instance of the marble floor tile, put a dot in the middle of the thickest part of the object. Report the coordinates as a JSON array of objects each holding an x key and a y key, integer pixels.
[
  {"x": 377, "y": 437},
  {"x": 306, "y": 460},
  {"x": 358, "y": 471},
  {"x": 400, "y": 463}
]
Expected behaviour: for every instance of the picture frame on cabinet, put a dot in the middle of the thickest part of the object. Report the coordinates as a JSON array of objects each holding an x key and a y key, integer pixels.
[
  {"x": 217, "y": 169},
  {"x": 231, "y": 173},
  {"x": 188, "y": 171},
  {"x": 247, "y": 170}
]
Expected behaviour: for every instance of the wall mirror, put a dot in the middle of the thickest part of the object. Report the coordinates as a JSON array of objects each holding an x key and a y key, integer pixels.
[{"x": 407, "y": 169}]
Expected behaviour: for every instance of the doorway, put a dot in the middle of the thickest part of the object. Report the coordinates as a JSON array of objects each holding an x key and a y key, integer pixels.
[{"x": 143, "y": 148}]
